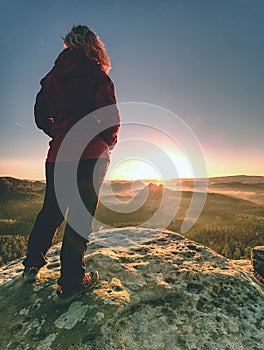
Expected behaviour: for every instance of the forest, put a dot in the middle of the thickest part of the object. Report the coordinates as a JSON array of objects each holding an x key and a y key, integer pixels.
[{"x": 231, "y": 223}]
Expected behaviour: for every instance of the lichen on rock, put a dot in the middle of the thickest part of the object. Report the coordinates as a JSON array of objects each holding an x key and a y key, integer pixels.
[{"x": 74, "y": 314}]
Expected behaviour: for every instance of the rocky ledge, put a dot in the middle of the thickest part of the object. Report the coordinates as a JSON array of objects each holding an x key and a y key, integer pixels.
[{"x": 157, "y": 290}]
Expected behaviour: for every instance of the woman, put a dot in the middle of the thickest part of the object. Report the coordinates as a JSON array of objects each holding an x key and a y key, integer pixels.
[{"x": 75, "y": 87}]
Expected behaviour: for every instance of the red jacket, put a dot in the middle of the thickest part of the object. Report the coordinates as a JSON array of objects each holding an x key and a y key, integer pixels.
[{"x": 73, "y": 89}]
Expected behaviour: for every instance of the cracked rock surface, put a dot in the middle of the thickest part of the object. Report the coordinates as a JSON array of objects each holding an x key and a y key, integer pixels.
[{"x": 157, "y": 290}]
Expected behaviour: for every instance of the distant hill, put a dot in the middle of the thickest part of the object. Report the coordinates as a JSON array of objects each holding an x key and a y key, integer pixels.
[
  {"x": 122, "y": 188},
  {"x": 11, "y": 184},
  {"x": 247, "y": 186},
  {"x": 245, "y": 179}
]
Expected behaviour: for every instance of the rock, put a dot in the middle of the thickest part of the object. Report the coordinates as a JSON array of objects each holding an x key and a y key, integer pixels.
[
  {"x": 157, "y": 290},
  {"x": 257, "y": 258}
]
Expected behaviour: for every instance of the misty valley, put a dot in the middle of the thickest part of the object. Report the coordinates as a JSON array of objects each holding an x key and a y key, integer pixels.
[{"x": 231, "y": 221}]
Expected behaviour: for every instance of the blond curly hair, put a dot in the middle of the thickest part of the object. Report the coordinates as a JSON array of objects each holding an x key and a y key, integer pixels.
[{"x": 82, "y": 37}]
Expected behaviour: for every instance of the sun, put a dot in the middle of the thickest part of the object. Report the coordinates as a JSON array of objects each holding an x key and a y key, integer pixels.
[{"x": 156, "y": 167}]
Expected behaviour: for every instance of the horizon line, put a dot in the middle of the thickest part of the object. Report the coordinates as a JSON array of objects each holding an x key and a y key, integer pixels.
[{"x": 147, "y": 179}]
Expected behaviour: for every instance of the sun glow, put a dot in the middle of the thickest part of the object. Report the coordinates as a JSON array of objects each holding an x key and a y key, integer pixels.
[
  {"x": 134, "y": 169},
  {"x": 155, "y": 167},
  {"x": 183, "y": 167},
  {"x": 22, "y": 168}
]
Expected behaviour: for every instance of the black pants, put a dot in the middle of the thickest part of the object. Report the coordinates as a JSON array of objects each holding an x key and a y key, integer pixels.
[{"x": 52, "y": 214}]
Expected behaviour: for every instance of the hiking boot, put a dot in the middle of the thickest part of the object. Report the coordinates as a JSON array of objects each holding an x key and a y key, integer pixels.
[
  {"x": 88, "y": 282},
  {"x": 30, "y": 274}
]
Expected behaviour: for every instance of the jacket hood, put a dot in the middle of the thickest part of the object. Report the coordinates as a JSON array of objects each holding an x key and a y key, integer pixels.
[{"x": 74, "y": 62}]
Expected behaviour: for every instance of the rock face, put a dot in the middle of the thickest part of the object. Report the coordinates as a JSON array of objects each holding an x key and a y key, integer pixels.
[
  {"x": 157, "y": 290},
  {"x": 257, "y": 258}
]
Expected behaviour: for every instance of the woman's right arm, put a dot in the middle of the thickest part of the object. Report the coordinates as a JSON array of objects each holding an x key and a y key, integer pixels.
[{"x": 105, "y": 96}]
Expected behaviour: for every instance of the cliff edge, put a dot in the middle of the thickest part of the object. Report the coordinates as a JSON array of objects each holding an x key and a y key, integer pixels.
[{"x": 157, "y": 290}]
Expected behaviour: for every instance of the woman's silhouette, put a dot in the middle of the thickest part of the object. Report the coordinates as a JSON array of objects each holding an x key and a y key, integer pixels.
[{"x": 76, "y": 86}]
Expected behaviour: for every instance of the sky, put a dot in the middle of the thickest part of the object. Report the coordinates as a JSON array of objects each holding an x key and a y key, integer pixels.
[{"x": 200, "y": 60}]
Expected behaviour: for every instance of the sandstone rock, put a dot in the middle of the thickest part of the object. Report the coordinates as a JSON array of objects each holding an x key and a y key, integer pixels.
[
  {"x": 257, "y": 258},
  {"x": 157, "y": 290}
]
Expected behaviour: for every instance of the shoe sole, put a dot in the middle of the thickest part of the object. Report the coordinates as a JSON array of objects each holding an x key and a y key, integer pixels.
[{"x": 60, "y": 301}]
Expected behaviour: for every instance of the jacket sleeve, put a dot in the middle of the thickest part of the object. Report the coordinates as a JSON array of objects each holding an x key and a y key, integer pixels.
[
  {"x": 105, "y": 96},
  {"x": 42, "y": 115}
]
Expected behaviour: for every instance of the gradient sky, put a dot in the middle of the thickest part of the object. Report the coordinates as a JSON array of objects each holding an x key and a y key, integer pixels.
[{"x": 200, "y": 59}]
